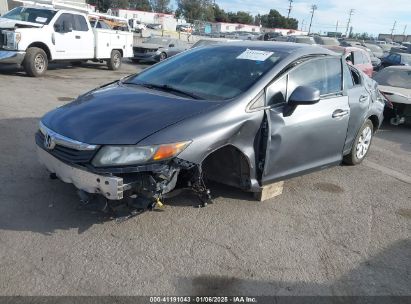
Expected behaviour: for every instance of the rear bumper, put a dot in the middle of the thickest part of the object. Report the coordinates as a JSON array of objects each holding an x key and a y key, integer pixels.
[
  {"x": 111, "y": 187},
  {"x": 11, "y": 57}
]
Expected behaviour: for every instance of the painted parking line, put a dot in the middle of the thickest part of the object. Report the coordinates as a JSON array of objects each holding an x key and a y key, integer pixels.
[{"x": 398, "y": 175}]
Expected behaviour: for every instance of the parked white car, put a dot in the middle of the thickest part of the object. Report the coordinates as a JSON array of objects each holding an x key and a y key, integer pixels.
[{"x": 35, "y": 36}]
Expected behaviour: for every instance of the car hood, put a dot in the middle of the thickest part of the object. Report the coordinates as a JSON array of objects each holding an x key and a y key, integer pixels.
[
  {"x": 151, "y": 46},
  {"x": 121, "y": 114},
  {"x": 11, "y": 24}
]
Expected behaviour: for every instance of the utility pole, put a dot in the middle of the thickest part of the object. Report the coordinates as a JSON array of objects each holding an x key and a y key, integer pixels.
[
  {"x": 393, "y": 29},
  {"x": 349, "y": 21},
  {"x": 289, "y": 9},
  {"x": 313, "y": 8},
  {"x": 336, "y": 29},
  {"x": 405, "y": 29},
  {"x": 302, "y": 25}
]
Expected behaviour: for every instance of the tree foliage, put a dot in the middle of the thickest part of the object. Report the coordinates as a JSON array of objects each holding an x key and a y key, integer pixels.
[
  {"x": 161, "y": 6},
  {"x": 275, "y": 20}
]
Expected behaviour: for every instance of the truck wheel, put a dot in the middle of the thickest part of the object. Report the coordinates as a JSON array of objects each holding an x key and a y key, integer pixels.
[
  {"x": 361, "y": 144},
  {"x": 114, "y": 63},
  {"x": 35, "y": 62}
]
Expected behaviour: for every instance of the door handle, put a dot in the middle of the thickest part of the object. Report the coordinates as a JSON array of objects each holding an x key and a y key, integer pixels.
[
  {"x": 78, "y": 37},
  {"x": 340, "y": 113},
  {"x": 363, "y": 98}
]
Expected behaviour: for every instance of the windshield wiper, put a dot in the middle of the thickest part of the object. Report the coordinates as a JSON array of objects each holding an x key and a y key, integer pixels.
[{"x": 166, "y": 88}]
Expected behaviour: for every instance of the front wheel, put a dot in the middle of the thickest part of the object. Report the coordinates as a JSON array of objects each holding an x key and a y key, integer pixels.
[
  {"x": 361, "y": 144},
  {"x": 35, "y": 62},
  {"x": 163, "y": 56},
  {"x": 114, "y": 63}
]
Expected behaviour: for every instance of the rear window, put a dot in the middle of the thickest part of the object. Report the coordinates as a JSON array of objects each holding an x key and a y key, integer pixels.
[{"x": 394, "y": 78}]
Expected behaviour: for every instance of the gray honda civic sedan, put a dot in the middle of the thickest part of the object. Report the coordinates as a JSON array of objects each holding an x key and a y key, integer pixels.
[{"x": 245, "y": 114}]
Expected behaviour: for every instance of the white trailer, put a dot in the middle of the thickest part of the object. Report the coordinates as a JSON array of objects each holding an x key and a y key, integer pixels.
[{"x": 40, "y": 33}]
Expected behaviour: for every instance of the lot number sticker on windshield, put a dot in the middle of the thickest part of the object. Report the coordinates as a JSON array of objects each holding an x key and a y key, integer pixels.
[
  {"x": 41, "y": 19},
  {"x": 255, "y": 55}
]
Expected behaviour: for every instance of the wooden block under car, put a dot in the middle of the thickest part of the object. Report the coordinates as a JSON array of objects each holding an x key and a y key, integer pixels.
[{"x": 269, "y": 191}]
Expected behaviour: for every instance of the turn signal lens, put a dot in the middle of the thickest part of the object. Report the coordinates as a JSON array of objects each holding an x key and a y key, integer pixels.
[{"x": 170, "y": 150}]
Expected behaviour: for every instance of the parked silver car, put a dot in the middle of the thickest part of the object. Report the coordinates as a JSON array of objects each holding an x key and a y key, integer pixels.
[{"x": 157, "y": 49}]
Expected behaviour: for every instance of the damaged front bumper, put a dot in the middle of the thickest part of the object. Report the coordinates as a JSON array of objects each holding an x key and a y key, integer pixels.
[
  {"x": 11, "y": 57},
  {"x": 111, "y": 187}
]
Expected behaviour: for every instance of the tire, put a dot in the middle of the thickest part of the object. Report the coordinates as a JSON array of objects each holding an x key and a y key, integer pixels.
[
  {"x": 163, "y": 56},
  {"x": 35, "y": 62},
  {"x": 361, "y": 144},
  {"x": 77, "y": 63},
  {"x": 114, "y": 63}
]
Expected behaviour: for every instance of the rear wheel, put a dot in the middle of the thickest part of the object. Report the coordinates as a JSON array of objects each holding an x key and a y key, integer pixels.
[
  {"x": 361, "y": 144},
  {"x": 35, "y": 62},
  {"x": 114, "y": 63}
]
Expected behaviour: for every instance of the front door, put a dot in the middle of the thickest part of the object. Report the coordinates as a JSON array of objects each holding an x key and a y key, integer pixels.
[
  {"x": 64, "y": 37},
  {"x": 312, "y": 136}
]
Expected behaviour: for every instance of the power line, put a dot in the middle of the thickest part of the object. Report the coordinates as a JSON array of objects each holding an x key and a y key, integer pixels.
[
  {"x": 351, "y": 12},
  {"x": 289, "y": 9},
  {"x": 313, "y": 8}
]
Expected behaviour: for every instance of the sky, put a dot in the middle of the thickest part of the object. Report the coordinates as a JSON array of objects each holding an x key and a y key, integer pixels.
[{"x": 371, "y": 16}]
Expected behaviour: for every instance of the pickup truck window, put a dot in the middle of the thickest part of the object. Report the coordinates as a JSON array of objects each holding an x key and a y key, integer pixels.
[
  {"x": 76, "y": 22},
  {"x": 28, "y": 14},
  {"x": 80, "y": 23}
]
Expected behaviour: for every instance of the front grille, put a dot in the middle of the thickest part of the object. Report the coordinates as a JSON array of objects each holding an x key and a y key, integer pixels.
[
  {"x": 65, "y": 154},
  {"x": 143, "y": 50}
]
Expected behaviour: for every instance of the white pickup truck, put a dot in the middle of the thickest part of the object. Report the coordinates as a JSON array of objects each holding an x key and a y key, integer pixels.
[{"x": 34, "y": 36}]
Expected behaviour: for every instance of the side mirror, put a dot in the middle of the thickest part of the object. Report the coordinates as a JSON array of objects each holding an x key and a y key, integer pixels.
[{"x": 304, "y": 96}]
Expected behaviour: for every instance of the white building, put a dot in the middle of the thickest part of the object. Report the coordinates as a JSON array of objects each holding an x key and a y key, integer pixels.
[
  {"x": 285, "y": 32},
  {"x": 167, "y": 21},
  {"x": 224, "y": 27},
  {"x": 3, "y": 6}
]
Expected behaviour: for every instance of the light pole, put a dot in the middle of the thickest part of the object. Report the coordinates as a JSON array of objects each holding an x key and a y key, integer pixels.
[{"x": 313, "y": 8}]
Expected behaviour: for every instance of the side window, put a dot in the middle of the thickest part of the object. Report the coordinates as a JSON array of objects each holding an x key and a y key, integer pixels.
[
  {"x": 348, "y": 81},
  {"x": 324, "y": 74},
  {"x": 355, "y": 76},
  {"x": 397, "y": 59},
  {"x": 64, "y": 18},
  {"x": 358, "y": 57},
  {"x": 80, "y": 23},
  {"x": 276, "y": 93}
]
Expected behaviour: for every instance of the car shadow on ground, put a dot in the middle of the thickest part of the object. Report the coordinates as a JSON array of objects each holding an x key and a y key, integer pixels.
[
  {"x": 387, "y": 273},
  {"x": 15, "y": 70},
  {"x": 31, "y": 201},
  {"x": 396, "y": 134}
]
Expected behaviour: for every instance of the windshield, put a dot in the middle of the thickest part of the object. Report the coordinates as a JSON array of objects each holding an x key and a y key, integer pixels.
[
  {"x": 374, "y": 48},
  {"x": 160, "y": 41},
  {"x": 216, "y": 72},
  {"x": 329, "y": 41},
  {"x": 406, "y": 59},
  {"x": 307, "y": 40},
  {"x": 394, "y": 78},
  {"x": 28, "y": 14}
]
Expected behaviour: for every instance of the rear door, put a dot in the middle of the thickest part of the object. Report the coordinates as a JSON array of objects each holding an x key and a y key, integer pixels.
[
  {"x": 359, "y": 101},
  {"x": 84, "y": 38},
  {"x": 313, "y": 136}
]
